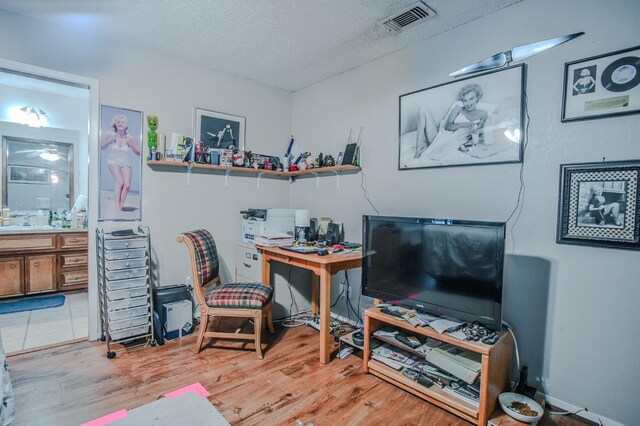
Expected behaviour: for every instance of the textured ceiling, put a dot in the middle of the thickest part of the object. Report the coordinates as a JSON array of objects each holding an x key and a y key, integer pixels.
[{"x": 288, "y": 44}]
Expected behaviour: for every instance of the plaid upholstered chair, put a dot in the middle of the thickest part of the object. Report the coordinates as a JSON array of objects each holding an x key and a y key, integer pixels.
[{"x": 245, "y": 300}]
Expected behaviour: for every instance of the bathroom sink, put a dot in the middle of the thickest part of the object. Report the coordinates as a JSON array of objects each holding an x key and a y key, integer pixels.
[{"x": 25, "y": 228}]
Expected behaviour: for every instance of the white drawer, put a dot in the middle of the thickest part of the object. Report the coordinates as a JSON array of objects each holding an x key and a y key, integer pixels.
[
  {"x": 128, "y": 323},
  {"x": 126, "y": 274},
  {"x": 128, "y": 313},
  {"x": 130, "y": 333},
  {"x": 125, "y": 244},
  {"x": 248, "y": 263},
  {"x": 128, "y": 293},
  {"x": 124, "y": 284},
  {"x": 128, "y": 303},
  {"x": 125, "y": 254},
  {"x": 114, "y": 265}
]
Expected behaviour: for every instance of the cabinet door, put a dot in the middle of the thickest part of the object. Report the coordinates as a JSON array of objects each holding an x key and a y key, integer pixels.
[
  {"x": 40, "y": 273},
  {"x": 11, "y": 278}
]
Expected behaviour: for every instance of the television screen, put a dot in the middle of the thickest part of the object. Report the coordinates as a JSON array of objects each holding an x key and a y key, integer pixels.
[{"x": 445, "y": 267}]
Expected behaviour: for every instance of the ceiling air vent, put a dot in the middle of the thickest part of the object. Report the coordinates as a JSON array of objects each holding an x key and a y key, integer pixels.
[{"x": 418, "y": 12}]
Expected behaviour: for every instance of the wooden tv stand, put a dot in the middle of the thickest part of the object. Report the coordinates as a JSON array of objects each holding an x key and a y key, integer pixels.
[{"x": 494, "y": 375}]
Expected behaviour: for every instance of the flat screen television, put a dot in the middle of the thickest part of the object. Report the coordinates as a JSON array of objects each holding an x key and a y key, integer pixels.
[{"x": 446, "y": 267}]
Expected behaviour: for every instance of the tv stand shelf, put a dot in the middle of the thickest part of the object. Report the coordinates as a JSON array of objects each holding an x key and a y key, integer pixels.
[{"x": 494, "y": 374}]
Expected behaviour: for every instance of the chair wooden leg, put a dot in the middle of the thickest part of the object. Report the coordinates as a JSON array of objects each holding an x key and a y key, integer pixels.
[
  {"x": 272, "y": 330},
  {"x": 204, "y": 321},
  {"x": 258, "y": 333}
]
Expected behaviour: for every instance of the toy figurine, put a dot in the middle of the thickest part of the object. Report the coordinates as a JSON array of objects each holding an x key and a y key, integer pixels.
[
  {"x": 152, "y": 136},
  {"x": 311, "y": 161},
  {"x": 328, "y": 161}
]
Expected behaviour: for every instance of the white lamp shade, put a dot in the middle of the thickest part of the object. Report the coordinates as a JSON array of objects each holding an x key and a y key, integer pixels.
[{"x": 302, "y": 218}]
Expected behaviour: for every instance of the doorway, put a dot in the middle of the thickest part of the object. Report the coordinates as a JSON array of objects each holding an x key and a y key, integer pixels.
[{"x": 48, "y": 127}]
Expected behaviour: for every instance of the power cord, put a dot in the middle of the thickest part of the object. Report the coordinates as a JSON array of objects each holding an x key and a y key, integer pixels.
[
  {"x": 522, "y": 185},
  {"x": 365, "y": 193},
  {"x": 572, "y": 413},
  {"x": 515, "y": 344},
  {"x": 517, "y": 353},
  {"x": 349, "y": 305},
  {"x": 293, "y": 299},
  {"x": 296, "y": 320}
]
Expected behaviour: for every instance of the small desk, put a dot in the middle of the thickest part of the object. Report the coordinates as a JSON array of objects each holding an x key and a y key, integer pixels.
[{"x": 322, "y": 267}]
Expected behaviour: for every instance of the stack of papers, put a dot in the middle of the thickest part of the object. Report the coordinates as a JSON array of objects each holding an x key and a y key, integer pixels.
[
  {"x": 461, "y": 363},
  {"x": 442, "y": 325},
  {"x": 274, "y": 239},
  {"x": 393, "y": 356}
]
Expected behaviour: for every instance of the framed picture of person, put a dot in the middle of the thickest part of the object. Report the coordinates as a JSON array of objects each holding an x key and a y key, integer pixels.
[
  {"x": 120, "y": 164},
  {"x": 471, "y": 121},
  {"x": 599, "y": 204},
  {"x": 218, "y": 130},
  {"x": 602, "y": 86}
]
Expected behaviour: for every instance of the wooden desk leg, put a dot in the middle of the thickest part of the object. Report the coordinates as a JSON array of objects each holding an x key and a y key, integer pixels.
[
  {"x": 325, "y": 302},
  {"x": 266, "y": 270},
  {"x": 315, "y": 286}
]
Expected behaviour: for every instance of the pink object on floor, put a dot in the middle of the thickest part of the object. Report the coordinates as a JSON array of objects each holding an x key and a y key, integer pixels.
[
  {"x": 109, "y": 418},
  {"x": 196, "y": 388}
]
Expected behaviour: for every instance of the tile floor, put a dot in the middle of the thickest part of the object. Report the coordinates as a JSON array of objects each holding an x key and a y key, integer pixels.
[{"x": 31, "y": 329}]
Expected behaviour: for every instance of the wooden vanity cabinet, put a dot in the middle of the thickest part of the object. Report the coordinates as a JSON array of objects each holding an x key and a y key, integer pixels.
[
  {"x": 43, "y": 263},
  {"x": 40, "y": 274},
  {"x": 12, "y": 276}
]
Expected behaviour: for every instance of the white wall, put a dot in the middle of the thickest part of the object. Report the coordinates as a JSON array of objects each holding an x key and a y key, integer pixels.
[
  {"x": 134, "y": 79},
  {"x": 574, "y": 308},
  {"x": 580, "y": 337}
]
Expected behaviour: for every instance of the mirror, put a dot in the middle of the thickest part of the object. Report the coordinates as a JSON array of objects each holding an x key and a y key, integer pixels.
[
  {"x": 32, "y": 177},
  {"x": 38, "y": 174}
]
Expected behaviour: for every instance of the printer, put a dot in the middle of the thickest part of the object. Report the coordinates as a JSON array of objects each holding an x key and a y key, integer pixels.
[{"x": 267, "y": 222}]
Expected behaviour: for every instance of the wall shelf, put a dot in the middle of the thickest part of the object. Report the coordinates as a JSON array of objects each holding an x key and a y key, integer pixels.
[{"x": 226, "y": 170}]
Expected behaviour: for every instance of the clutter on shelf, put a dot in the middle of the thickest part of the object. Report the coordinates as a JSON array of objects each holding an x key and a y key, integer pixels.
[{"x": 184, "y": 149}]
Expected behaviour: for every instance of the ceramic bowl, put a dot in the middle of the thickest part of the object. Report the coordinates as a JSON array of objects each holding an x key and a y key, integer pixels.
[{"x": 507, "y": 398}]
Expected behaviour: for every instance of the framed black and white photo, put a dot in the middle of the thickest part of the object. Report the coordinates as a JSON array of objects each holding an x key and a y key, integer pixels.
[
  {"x": 471, "y": 121},
  {"x": 29, "y": 174},
  {"x": 600, "y": 204},
  {"x": 218, "y": 130},
  {"x": 602, "y": 86},
  {"x": 120, "y": 164}
]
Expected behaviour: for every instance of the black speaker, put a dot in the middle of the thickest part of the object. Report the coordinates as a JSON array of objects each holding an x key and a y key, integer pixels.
[
  {"x": 313, "y": 229},
  {"x": 333, "y": 234}
]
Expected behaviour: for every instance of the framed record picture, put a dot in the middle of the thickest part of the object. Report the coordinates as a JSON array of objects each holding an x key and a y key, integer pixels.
[
  {"x": 599, "y": 204},
  {"x": 602, "y": 86}
]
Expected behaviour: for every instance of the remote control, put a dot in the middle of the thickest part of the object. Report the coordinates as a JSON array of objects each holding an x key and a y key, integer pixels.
[
  {"x": 390, "y": 312},
  {"x": 425, "y": 381},
  {"x": 411, "y": 374}
]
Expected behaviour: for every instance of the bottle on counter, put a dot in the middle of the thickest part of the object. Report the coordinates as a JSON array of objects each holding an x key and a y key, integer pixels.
[
  {"x": 74, "y": 219},
  {"x": 55, "y": 221},
  {"x": 41, "y": 218}
]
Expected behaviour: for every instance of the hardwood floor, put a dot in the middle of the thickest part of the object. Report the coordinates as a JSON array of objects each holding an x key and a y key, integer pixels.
[{"x": 76, "y": 383}]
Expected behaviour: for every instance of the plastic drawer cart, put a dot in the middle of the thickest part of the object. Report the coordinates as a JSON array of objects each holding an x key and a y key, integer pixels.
[{"x": 124, "y": 280}]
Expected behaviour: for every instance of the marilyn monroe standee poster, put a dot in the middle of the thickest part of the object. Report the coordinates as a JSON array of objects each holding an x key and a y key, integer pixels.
[{"x": 120, "y": 164}]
